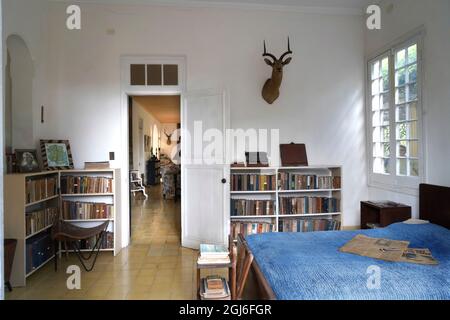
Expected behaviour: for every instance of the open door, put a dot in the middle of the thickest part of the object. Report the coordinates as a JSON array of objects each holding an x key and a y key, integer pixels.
[{"x": 204, "y": 180}]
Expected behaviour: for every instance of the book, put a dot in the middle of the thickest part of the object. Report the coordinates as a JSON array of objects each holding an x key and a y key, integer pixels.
[
  {"x": 86, "y": 210},
  {"x": 221, "y": 292},
  {"x": 244, "y": 207},
  {"x": 211, "y": 261},
  {"x": 96, "y": 165},
  {"x": 212, "y": 250},
  {"x": 86, "y": 184}
]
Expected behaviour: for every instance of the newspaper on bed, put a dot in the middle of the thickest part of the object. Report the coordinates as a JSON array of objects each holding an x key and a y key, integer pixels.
[
  {"x": 384, "y": 249},
  {"x": 388, "y": 250}
]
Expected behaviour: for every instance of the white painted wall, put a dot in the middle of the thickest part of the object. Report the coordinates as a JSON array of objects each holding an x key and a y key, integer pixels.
[
  {"x": 169, "y": 128},
  {"x": 149, "y": 123},
  {"x": 20, "y": 95},
  {"x": 435, "y": 17},
  {"x": 28, "y": 20},
  {"x": 322, "y": 95}
]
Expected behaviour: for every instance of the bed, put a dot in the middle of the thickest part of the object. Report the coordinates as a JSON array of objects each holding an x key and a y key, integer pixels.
[{"x": 309, "y": 266}]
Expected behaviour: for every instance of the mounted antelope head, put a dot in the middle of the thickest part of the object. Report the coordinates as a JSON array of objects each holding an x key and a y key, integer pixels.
[
  {"x": 271, "y": 89},
  {"x": 169, "y": 137}
]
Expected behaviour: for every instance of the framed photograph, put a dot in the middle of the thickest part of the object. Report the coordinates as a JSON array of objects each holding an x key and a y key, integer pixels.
[
  {"x": 27, "y": 161},
  {"x": 147, "y": 146},
  {"x": 56, "y": 155}
]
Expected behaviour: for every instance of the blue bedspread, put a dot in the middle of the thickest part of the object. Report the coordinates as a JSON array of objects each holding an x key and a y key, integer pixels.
[{"x": 309, "y": 266}]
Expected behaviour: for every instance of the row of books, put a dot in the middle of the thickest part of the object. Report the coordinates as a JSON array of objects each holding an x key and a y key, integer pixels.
[
  {"x": 250, "y": 227},
  {"x": 86, "y": 185},
  {"x": 214, "y": 288},
  {"x": 38, "y": 220},
  {"x": 308, "y": 205},
  {"x": 107, "y": 242},
  {"x": 243, "y": 207},
  {"x": 293, "y": 181},
  {"x": 253, "y": 182},
  {"x": 40, "y": 189},
  {"x": 308, "y": 225},
  {"x": 213, "y": 254},
  {"x": 86, "y": 210}
]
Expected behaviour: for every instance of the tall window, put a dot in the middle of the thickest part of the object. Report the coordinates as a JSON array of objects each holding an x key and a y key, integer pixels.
[{"x": 395, "y": 115}]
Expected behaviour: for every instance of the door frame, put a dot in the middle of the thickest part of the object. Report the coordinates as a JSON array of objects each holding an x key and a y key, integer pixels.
[{"x": 126, "y": 90}]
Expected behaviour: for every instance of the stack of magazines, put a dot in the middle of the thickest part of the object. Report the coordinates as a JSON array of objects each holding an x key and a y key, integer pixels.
[
  {"x": 213, "y": 254},
  {"x": 214, "y": 288}
]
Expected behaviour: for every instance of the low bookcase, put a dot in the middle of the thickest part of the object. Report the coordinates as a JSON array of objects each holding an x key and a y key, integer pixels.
[
  {"x": 285, "y": 199},
  {"x": 33, "y": 201}
]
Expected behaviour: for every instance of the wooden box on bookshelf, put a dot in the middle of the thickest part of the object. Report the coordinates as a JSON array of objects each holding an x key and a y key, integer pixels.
[{"x": 285, "y": 199}]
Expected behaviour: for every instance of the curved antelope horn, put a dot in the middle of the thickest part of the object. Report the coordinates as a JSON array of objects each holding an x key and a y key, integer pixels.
[
  {"x": 265, "y": 54},
  {"x": 287, "y": 52}
]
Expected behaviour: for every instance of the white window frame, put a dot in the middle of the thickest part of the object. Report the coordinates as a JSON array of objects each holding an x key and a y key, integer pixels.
[{"x": 392, "y": 181}]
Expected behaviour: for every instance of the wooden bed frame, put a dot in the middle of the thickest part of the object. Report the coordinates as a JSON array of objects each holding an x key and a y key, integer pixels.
[{"x": 434, "y": 207}]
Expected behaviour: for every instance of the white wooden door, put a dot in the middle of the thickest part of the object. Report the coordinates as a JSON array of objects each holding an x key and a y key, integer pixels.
[{"x": 204, "y": 190}]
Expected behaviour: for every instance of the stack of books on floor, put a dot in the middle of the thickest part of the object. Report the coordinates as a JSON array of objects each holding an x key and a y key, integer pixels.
[
  {"x": 213, "y": 254},
  {"x": 214, "y": 288}
]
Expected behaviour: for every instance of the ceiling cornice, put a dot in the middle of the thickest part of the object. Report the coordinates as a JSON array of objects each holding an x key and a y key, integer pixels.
[{"x": 225, "y": 5}]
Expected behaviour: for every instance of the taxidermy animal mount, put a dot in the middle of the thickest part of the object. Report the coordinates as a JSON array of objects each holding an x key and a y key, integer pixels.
[
  {"x": 169, "y": 138},
  {"x": 271, "y": 89}
]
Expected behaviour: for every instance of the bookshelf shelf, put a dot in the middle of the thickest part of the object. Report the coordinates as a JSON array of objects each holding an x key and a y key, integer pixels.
[
  {"x": 90, "y": 220},
  {"x": 39, "y": 267},
  {"x": 41, "y": 201},
  {"x": 32, "y": 249},
  {"x": 252, "y": 217},
  {"x": 309, "y": 215},
  {"x": 308, "y": 191},
  {"x": 254, "y": 192},
  {"x": 36, "y": 233},
  {"x": 315, "y": 185},
  {"x": 87, "y": 195}
]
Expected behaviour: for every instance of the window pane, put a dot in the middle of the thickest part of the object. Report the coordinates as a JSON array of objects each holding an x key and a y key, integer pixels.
[
  {"x": 170, "y": 75},
  {"x": 412, "y": 92},
  {"x": 385, "y": 84},
  {"x": 375, "y": 70},
  {"x": 407, "y": 149},
  {"x": 385, "y": 67},
  {"x": 402, "y": 113},
  {"x": 400, "y": 77},
  {"x": 412, "y": 53},
  {"x": 400, "y": 95},
  {"x": 414, "y": 168},
  {"x": 412, "y": 73},
  {"x": 381, "y": 150},
  {"x": 375, "y": 87},
  {"x": 407, "y": 130},
  {"x": 412, "y": 111},
  {"x": 402, "y": 167},
  {"x": 137, "y": 75},
  {"x": 384, "y": 101},
  {"x": 381, "y": 165},
  {"x": 375, "y": 103},
  {"x": 154, "y": 75},
  {"x": 400, "y": 59}
]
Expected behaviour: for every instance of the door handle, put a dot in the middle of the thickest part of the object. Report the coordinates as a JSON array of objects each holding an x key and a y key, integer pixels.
[{"x": 224, "y": 180}]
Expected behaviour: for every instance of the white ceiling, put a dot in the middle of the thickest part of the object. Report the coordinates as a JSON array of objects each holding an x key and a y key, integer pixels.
[
  {"x": 354, "y": 4},
  {"x": 339, "y": 5}
]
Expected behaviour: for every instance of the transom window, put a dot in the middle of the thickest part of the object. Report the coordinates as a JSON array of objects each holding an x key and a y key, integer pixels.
[{"x": 395, "y": 115}]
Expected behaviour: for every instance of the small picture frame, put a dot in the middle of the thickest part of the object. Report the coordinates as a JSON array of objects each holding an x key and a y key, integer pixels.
[
  {"x": 56, "y": 155},
  {"x": 27, "y": 161}
]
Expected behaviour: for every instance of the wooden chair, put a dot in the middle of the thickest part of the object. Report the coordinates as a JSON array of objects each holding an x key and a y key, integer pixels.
[{"x": 243, "y": 265}]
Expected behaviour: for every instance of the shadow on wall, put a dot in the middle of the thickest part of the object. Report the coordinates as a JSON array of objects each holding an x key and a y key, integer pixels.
[{"x": 18, "y": 96}]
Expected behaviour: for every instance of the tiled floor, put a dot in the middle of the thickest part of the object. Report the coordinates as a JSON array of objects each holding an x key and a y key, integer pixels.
[{"x": 153, "y": 267}]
